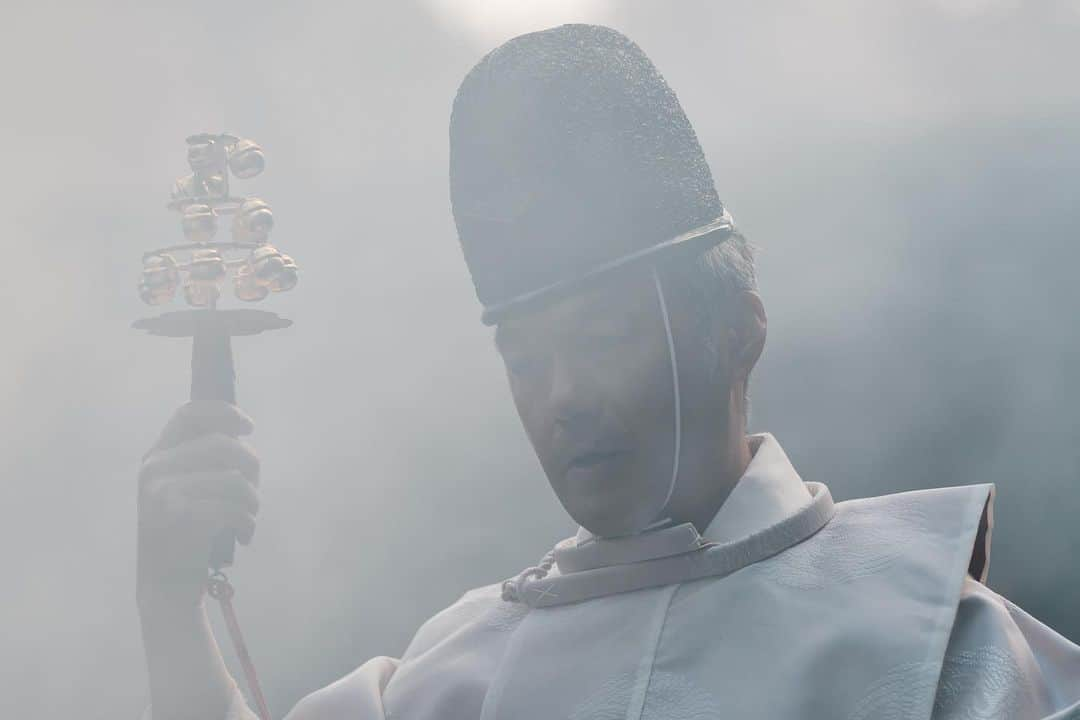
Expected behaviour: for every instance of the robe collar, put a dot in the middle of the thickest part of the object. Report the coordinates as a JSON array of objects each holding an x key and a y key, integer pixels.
[{"x": 769, "y": 491}]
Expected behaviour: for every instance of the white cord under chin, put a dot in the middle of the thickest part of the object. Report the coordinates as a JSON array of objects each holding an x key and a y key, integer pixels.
[
  {"x": 512, "y": 588},
  {"x": 675, "y": 385}
]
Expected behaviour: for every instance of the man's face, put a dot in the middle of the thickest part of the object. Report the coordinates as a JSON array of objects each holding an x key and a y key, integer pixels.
[{"x": 591, "y": 379}]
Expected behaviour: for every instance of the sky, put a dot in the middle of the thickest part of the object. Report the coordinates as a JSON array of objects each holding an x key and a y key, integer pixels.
[{"x": 907, "y": 170}]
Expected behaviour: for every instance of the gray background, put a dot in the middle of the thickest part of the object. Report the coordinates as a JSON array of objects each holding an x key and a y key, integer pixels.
[{"x": 909, "y": 170}]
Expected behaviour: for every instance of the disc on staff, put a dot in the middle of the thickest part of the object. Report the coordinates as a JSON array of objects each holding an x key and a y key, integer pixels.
[{"x": 236, "y": 322}]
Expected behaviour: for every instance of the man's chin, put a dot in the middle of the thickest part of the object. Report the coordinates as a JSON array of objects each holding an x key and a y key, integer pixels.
[{"x": 609, "y": 514}]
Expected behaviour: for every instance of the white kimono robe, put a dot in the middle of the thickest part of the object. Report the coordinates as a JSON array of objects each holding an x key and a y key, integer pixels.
[{"x": 788, "y": 606}]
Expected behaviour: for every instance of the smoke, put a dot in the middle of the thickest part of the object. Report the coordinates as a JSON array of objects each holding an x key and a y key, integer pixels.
[
  {"x": 490, "y": 22},
  {"x": 907, "y": 169}
]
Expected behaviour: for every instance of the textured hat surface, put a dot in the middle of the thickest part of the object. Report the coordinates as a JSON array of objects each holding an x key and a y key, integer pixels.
[{"x": 568, "y": 150}]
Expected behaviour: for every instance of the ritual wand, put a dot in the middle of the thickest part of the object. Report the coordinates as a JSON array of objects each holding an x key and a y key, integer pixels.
[{"x": 201, "y": 266}]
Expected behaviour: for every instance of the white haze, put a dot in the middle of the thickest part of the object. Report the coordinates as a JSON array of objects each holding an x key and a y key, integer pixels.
[{"x": 909, "y": 170}]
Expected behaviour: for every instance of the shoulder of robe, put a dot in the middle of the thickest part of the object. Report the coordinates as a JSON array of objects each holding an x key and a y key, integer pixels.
[
  {"x": 1005, "y": 661},
  {"x": 481, "y": 608},
  {"x": 884, "y": 579},
  {"x": 919, "y": 540},
  {"x": 961, "y": 518}
]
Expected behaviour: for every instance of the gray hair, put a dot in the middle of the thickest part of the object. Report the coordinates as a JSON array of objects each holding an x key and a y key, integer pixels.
[{"x": 708, "y": 282}]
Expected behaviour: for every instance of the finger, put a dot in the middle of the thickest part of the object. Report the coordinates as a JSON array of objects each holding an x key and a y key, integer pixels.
[
  {"x": 204, "y": 417},
  {"x": 226, "y": 485},
  {"x": 205, "y": 453},
  {"x": 172, "y": 497},
  {"x": 215, "y": 516}
]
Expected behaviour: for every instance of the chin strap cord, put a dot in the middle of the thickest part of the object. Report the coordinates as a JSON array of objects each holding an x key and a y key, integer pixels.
[
  {"x": 511, "y": 589},
  {"x": 675, "y": 385},
  {"x": 218, "y": 586}
]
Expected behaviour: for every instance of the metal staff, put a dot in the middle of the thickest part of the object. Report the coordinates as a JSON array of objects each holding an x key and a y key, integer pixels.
[{"x": 201, "y": 266}]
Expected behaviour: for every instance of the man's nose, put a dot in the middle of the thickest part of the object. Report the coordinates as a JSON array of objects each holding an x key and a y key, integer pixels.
[{"x": 571, "y": 393}]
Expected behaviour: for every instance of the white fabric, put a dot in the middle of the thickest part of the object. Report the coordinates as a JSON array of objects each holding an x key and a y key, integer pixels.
[
  {"x": 874, "y": 616},
  {"x": 768, "y": 491},
  {"x": 1005, "y": 662}
]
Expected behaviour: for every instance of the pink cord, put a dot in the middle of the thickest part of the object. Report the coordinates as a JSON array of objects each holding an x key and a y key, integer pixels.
[{"x": 218, "y": 586}]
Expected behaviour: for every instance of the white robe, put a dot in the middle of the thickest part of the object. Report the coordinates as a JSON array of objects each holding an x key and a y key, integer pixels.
[{"x": 787, "y": 606}]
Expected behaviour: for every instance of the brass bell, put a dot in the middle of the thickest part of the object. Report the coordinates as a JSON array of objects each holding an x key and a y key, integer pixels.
[
  {"x": 184, "y": 188},
  {"x": 195, "y": 187},
  {"x": 206, "y": 271},
  {"x": 215, "y": 185},
  {"x": 199, "y": 223},
  {"x": 287, "y": 276},
  {"x": 247, "y": 286},
  {"x": 265, "y": 263},
  {"x": 271, "y": 269},
  {"x": 160, "y": 278},
  {"x": 246, "y": 159},
  {"x": 253, "y": 221},
  {"x": 207, "y": 266},
  {"x": 204, "y": 155},
  {"x": 200, "y": 294}
]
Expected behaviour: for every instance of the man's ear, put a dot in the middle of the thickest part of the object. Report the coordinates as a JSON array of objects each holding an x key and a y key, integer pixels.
[{"x": 747, "y": 332}]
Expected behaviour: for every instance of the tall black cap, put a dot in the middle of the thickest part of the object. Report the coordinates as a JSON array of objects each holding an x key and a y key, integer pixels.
[{"x": 570, "y": 155}]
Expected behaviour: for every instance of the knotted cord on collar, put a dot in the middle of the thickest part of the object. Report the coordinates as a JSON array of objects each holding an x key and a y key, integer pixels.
[{"x": 511, "y": 589}]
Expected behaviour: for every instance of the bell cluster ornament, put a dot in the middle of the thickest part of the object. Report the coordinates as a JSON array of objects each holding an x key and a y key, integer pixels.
[
  {"x": 203, "y": 265},
  {"x": 201, "y": 268}
]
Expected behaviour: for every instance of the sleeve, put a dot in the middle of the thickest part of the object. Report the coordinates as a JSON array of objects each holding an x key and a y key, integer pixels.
[
  {"x": 1003, "y": 663},
  {"x": 445, "y": 668},
  {"x": 357, "y": 696},
  {"x": 431, "y": 669}
]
